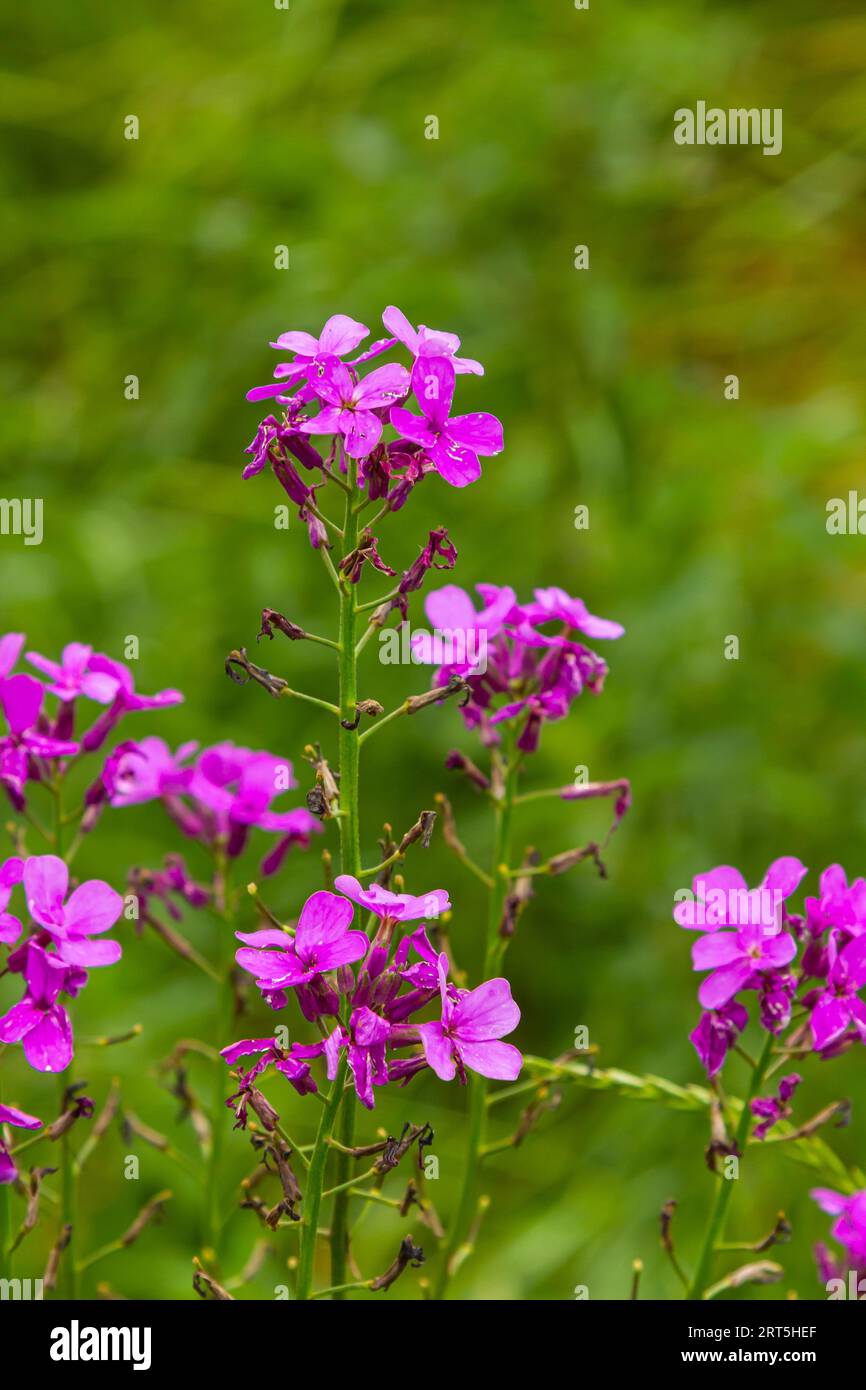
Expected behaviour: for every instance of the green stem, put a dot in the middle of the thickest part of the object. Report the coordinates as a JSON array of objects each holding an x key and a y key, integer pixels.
[
  {"x": 477, "y": 1135},
  {"x": 724, "y": 1190},
  {"x": 225, "y": 1003},
  {"x": 350, "y": 863},
  {"x": 315, "y": 1182},
  {"x": 68, "y": 1274}
]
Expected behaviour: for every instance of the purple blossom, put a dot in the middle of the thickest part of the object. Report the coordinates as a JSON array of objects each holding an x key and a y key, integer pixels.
[
  {"x": 72, "y": 677},
  {"x": 838, "y": 1006},
  {"x": 11, "y": 874},
  {"x": 38, "y": 1021},
  {"x": 93, "y": 908},
  {"x": 716, "y": 1034},
  {"x": 468, "y": 1033},
  {"x": 735, "y": 956},
  {"x": 321, "y": 942},
  {"x": 340, "y": 336},
  {"x": 293, "y": 1063},
  {"x": 10, "y": 1115},
  {"x": 452, "y": 443},
  {"x": 403, "y": 907},
  {"x": 771, "y": 1109},
  {"x": 722, "y": 898},
  {"x": 349, "y": 404},
  {"x": 428, "y": 342},
  {"x": 126, "y": 701},
  {"x": 21, "y": 697},
  {"x": 849, "y": 1229},
  {"x": 555, "y": 605}
]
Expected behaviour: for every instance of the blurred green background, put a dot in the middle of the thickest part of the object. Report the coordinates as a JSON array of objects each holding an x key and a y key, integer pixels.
[{"x": 261, "y": 127}]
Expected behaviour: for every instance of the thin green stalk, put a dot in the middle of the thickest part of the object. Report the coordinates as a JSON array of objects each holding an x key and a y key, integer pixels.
[
  {"x": 350, "y": 863},
  {"x": 725, "y": 1187},
  {"x": 225, "y": 1003},
  {"x": 315, "y": 1182},
  {"x": 68, "y": 1274},
  {"x": 478, "y": 1085}
]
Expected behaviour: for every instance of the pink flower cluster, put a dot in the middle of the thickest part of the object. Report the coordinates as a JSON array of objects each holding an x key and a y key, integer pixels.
[
  {"x": 321, "y": 394},
  {"x": 35, "y": 739},
  {"x": 219, "y": 794},
  {"x": 521, "y": 669},
  {"x": 752, "y": 943},
  {"x": 371, "y": 992}
]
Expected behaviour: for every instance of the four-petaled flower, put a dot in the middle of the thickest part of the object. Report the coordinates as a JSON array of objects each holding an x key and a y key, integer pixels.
[
  {"x": 93, "y": 908},
  {"x": 452, "y": 443},
  {"x": 349, "y": 404},
  {"x": 469, "y": 1031}
]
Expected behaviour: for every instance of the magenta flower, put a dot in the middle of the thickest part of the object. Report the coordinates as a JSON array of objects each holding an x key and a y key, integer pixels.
[
  {"x": 404, "y": 907},
  {"x": 71, "y": 677},
  {"x": 428, "y": 342},
  {"x": 722, "y": 898},
  {"x": 716, "y": 1034},
  {"x": 93, "y": 908},
  {"x": 451, "y": 443},
  {"x": 321, "y": 942},
  {"x": 39, "y": 1022},
  {"x": 366, "y": 1041},
  {"x": 340, "y": 336},
  {"x": 469, "y": 1031},
  {"x": 21, "y": 697},
  {"x": 126, "y": 701},
  {"x": 734, "y": 957},
  {"x": 850, "y": 1228},
  {"x": 348, "y": 404},
  {"x": 555, "y": 605},
  {"x": 293, "y": 1063},
  {"x": 148, "y": 770},
  {"x": 838, "y": 1006},
  {"x": 771, "y": 1109},
  {"x": 11, "y": 874},
  {"x": 10, "y": 1115}
]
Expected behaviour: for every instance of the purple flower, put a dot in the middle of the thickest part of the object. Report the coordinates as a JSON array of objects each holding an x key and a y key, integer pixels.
[
  {"x": 321, "y": 942},
  {"x": 126, "y": 701},
  {"x": 293, "y": 1063},
  {"x": 340, "y": 335},
  {"x": 452, "y": 444},
  {"x": 21, "y": 697},
  {"x": 838, "y": 1005},
  {"x": 71, "y": 677},
  {"x": 10, "y": 1115},
  {"x": 148, "y": 770},
  {"x": 428, "y": 342},
  {"x": 366, "y": 1041},
  {"x": 735, "y": 956},
  {"x": 771, "y": 1109},
  {"x": 722, "y": 898},
  {"x": 716, "y": 1034},
  {"x": 349, "y": 404},
  {"x": 469, "y": 1031},
  {"x": 404, "y": 907},
  {"x": 39, "y": 1022},
  {"x": 850, "y": 1227},
  {"x": 555, "y": 605},
  {"x": 11, "y": 874},
  {"x": 93, "y": 908}
]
